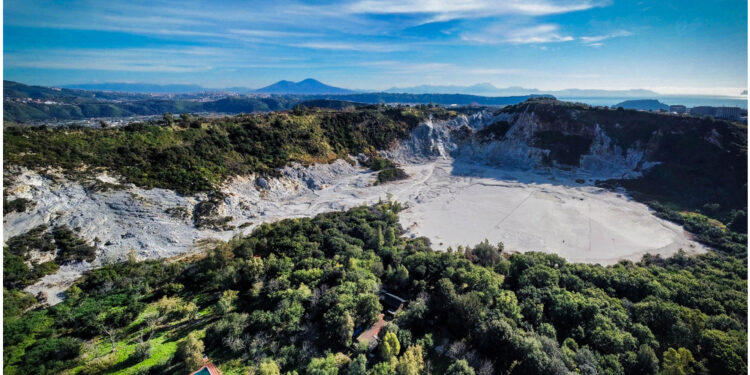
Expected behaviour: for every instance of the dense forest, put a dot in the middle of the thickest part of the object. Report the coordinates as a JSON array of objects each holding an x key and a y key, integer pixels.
[
  {"x": 192, "y": 154},
  {"x": 293, "y": 296}
]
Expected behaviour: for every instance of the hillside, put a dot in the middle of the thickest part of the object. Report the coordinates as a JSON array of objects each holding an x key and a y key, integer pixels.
[
  {"x": 16, "y": 90},
  {"x": 642, "y": 105},
  {"x": 29, "y": 104},
  {"x": 192, "y": 154}
]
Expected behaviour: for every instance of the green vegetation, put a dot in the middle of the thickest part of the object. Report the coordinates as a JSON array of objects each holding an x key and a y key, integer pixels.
[
  {"x": 16, "y": 205},
  {"x": 290, "y": 296},
  {"x": 66, "y": 246},
  {"x": 387, "y": 170},
  {"x": 564, "y": 148},
  {"x": 193, "y": 154},
  {"x": 494, "y": 131}
]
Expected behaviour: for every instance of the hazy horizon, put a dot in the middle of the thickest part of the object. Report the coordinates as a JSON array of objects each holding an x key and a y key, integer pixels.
[{"x": 670, "y": 47}]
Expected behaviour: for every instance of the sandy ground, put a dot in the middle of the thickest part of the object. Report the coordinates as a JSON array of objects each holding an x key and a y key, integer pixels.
[{"x": 533, "y": 212}]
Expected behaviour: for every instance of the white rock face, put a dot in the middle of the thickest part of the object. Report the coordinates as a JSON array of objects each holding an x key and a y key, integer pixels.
[{"x": 459, "y": 193}]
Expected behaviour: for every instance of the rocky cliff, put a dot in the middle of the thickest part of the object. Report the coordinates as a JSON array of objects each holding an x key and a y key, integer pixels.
[{"x": 524, "y": 140}]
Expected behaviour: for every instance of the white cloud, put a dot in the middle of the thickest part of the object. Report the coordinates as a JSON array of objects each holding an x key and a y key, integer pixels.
[
  {"x": 457, "y": 9},
  {"x": 495, "y": 71},
  {"x": 168, "y": 60},
  {"x": 596, "y": 40},
  {"x": 503, "y": 33},
  {"x": 351, "y": 46},
  {"x": 270, "y": 33}
]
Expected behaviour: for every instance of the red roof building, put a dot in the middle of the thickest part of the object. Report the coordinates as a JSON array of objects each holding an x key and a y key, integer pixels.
[{"x": 372, "y": 332}]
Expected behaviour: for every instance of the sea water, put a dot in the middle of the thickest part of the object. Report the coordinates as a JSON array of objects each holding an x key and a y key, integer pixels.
[{"x": 688, "y": 101}]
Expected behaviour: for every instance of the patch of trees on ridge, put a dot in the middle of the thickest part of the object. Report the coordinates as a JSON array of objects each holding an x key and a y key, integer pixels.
[{"x": 192, "y": 154}]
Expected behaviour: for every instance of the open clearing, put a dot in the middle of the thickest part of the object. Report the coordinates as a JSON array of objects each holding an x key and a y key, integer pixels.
[{"x": 581, "y": 223}]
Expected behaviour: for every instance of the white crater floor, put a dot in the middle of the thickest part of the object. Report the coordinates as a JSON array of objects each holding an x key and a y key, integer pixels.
[{"x": 580, "y": 223}]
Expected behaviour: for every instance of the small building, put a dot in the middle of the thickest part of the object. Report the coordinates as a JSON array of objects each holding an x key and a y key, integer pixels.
[
  {"x": 728, "y": 113},
  {"x": 703, "y": 111},
  {"x": 391, "y": 302},
  {"x": 370, "y": 335}
]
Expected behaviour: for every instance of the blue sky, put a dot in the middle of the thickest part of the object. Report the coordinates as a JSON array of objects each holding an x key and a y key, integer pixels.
[{"x": 670, "y": 46}]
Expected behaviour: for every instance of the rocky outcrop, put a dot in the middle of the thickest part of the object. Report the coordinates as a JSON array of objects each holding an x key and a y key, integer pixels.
[{"x": 530, "y": 142}]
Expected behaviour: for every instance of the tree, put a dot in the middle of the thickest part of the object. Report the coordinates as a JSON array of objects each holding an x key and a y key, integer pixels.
[
  {"x": 106, "y": 324},
  {"x": 586, "y": 361},
  {"x": 358, "y": 366},
  {"x": 190, "y": 351},
  {"x": 142, "y": 351},
  {"x": 389, "y": 347},
  {"x": 678, "y": 362},
  {"x": 486, "y": 254},
  {"x": 646, "y": 361},
  {"x": 344, "y": 328},
  {"x": 548, "y": 330},
  {"x": 168, "y": 118},
  {"x": 368, "y": 309},
  {"x": 389, "y": 238},
  {"x": 190, "y": 310},
  {"x": 460, "y": 367},
  {"x": 226, "y": 302},
  {"x": 268, "y": 367},
  {"x": 411, "y": 362},
  {"x": 383, "y": 368},
  {"x": 724, "y": 352},
  {"x": 323, "y": 366},
  {"x": 380, "y": 239},
  {"x": 166, "y": 306},
  {"x": 299, "y": 110}
]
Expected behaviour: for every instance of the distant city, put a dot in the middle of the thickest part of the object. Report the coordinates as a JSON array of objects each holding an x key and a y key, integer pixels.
[{"x": 719, "y": 112}]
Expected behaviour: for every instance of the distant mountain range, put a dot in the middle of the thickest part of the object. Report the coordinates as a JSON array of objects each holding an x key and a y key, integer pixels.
[
  {"x": 305, "y": 87},
  {"x": 487, "y": 89},
  {"x": 314, "y": 87}
]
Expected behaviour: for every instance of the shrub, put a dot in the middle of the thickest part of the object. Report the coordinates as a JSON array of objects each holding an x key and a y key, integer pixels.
[{"x": 190, "y": 352}]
